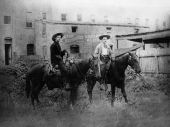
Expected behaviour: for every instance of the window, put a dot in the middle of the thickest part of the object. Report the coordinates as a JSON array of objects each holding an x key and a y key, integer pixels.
[
  {"x": 108, "y": 28},
  {"x": 7, "y": 19},
  {"x": 146, "y": 22},
  {"x": 74, "y": 29},
  {"x": 129, "y": 21},
  {"x": 92, "y": 18},
  {"x": 44, "y": 29},
  {"x": 136, "y": 30},
  {"x": 63, "y": 17},
  {"x": 44, "y": 16},
  {"x": 137, "y": 21},
  {"x": 74, "y": 49},
  {"x": 29, "y": 19},
  {"x": 30, "y": 49},
  {"x": 79, "y": 17},
  {"x": 164, "y": 24},
  {"x": 28, "y": 24},
  {"x": 106, "y": 19}
]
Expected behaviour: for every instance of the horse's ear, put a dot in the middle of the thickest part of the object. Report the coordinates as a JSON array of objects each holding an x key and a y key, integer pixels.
[{"x": 92, "y": 55}]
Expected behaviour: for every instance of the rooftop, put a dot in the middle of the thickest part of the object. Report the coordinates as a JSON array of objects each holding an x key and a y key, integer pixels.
[{"x": 147, "y": 37}]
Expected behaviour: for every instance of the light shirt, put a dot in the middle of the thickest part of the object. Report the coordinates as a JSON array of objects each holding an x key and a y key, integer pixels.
[{"x": 102, "y": 49}]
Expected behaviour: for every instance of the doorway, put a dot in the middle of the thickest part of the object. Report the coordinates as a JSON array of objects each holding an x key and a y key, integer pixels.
[{"x": 8, "y": 54}]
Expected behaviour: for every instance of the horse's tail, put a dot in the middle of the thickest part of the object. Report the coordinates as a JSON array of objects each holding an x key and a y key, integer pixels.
[{"x": 28, "y": 86}]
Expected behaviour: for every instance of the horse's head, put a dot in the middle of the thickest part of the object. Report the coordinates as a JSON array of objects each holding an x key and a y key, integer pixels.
[{"x": 133, "y": 61}]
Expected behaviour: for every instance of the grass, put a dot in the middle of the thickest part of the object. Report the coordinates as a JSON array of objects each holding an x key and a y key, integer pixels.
[{"x": 149, "y": 107}]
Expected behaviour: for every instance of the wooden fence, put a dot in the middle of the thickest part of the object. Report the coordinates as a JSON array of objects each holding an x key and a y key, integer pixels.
[{"x": 155, "y": 61}]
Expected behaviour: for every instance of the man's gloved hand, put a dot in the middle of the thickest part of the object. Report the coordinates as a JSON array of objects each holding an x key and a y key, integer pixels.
[
  {"x": 113, "y": 58},
  {"x": 58, "y": 57}
]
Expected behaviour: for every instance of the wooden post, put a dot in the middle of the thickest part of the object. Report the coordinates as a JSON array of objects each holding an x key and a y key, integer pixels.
[
  {"x": 117, "y": 46},
  {"x": 143, "y": 44},
  {"x": 157, "y": 65}
]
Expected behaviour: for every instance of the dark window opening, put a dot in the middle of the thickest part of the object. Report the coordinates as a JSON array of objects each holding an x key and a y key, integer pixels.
[
  {"x": 44, "y": 29},
  {"x": 108, "y": 28},
  {"x": 74, "y": 49},
  {"x": 63, "y": 17},
  {"x": 93, "y": 20},
  {"x": 28, "y": 24},
  {"x": 111, "y": 46},
  {"x": 30, "y": 49},
  {"x": 44, "y": 16},
  {"x": 8, "y": 54},
  {"x": 74, "y": 29},
  {"x": 164, "y": 24},
  {"x": 136, "y": 30},
  {"x": 79, "y": 17},
  {"x": 7, "y": 19}
]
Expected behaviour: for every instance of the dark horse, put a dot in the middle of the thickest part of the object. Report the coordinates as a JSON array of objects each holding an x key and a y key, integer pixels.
[
  {"x": 39, "y": 75},
  {"x": 115, "y": 75}
]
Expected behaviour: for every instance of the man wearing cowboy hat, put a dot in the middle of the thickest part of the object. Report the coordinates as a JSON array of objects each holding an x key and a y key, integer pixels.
[
  {"x": 103, "y": 52},
  {"x": 57, "y": 54},
  {"x": 55, "y": 48},
  {"x": 103, "y": 48}
]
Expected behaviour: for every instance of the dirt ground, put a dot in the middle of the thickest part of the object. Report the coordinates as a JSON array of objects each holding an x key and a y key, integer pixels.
[{"x": 149, "y": 106}]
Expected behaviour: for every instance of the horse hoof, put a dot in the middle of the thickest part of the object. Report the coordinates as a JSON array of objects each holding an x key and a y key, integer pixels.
[{"x": 91, "y": 102}]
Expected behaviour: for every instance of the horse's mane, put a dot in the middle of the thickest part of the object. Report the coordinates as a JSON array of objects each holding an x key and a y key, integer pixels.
[{"x": 122, "y": 57}]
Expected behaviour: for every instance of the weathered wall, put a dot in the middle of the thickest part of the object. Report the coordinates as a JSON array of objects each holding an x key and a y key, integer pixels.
[
  {"x": 86, "y": 36},
  {"x": 155, "y": 60},
  {"x": 17, "y": 30}
]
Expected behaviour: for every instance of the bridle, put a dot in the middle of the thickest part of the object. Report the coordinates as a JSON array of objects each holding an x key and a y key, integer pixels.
[{"x": 131, "y": 59}]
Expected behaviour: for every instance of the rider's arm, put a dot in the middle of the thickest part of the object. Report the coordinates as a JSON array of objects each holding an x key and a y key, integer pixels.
[{"x": 97, "y": 51}]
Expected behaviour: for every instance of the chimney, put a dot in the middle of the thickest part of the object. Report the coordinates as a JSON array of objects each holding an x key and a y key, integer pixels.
[
  {"x": 157, "y": 24},
  {"x": 106, "y": 19},
  {"x": 92, "y": 19},
  {"x": 129, "y": 21},
  {"x": 137, "y": 21},
  {"x": 147, "y": 22}
]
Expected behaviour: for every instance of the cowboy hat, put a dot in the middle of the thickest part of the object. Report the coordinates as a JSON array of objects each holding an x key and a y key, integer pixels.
[
  {"x": 102, "y": 36},
  {"x": 57, "y": 34}
]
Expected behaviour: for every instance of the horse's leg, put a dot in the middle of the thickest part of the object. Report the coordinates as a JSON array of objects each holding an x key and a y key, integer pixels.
[
  {"x": 73, "y": 93},
  {"x": 124, "y": 93},
  {"x": 28, "y": 86},
  {"x": 32, "y": 98},
  {"x": 90, "y": 86},
  {"x": 38, "y": 89},
  {"x": 32, "y": 92},
  {"x": 113, "y": 94}
]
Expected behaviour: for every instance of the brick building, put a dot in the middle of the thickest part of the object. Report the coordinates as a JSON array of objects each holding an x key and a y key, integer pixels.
[
  {"x": 26, "y": 28},
  {"x": 80, "y": 38},
  {"x": 17, "y": 27}
]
